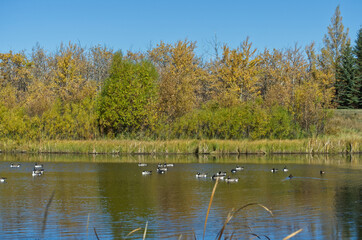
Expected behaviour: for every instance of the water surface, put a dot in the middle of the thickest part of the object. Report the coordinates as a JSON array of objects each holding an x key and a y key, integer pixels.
[{"x": 109, "y": 195}]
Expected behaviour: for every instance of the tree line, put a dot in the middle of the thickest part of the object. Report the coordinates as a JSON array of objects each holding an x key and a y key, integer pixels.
[{"x": 169, "y": 92}]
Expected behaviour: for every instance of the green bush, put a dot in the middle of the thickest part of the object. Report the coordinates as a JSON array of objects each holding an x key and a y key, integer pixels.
[
  {"x": 247, "y": 120},
  {"x": 126, "y": 104}
]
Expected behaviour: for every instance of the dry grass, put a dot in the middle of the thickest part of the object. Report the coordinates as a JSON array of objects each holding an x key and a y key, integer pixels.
[
  {"x": 293, "y": 234},
  {"x": 208, "y": 209},
  {"x": 327, "y": 144}
]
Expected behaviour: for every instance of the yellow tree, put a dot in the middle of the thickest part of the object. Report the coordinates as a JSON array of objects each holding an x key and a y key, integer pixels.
[
  {"x": 15, "y": 77},
  {"x": 180, "y": 73},
  {"x": 321, "y": 76},
  {"x": 70, "y": 71},
  {"x": 281, "y": 72},
  {"x": 236, "y": 75}
]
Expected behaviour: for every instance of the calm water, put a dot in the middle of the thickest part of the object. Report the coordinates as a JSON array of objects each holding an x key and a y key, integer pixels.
[{"x": 109, "y": 194}]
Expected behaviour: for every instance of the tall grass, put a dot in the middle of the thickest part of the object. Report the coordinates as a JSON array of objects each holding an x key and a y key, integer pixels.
[{"x": 342, "y": 144}]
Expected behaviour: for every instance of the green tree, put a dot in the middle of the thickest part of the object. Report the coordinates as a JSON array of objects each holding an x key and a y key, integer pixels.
[
  {"x": 334, "y": 42},
  {"x": 347, "y": 90},
  {"x": 128, "y": 97},
  {"x": 358, "y": 53}
]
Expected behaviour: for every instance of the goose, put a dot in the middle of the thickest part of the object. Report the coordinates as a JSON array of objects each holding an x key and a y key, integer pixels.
[
  {"x": 146, "y": 172},
  {"x": 164, "y": 165},
  {"x": 201, "y": 175},
  {"x": 233, "y": 170},
  {"x": 3, "y": 180},
  {"x": 160, "y": 171},
  {"x": 321, "y": 172},
  {"x": 221, "y": 174},
  {"x": 142, "y": 164},
  {"x": 285, "y": 169},
  {"x": 38, "y": 172},
  {"x": 290, "y": 176},
  {"x": 214, "y": 177},
  {"x": 14, "y": 165},
  {"x": 38, "y": 165},
  {"x": 274, "y": 170},
  {"x": 229, "y": 179},
  {"x": 238, "y": 168}
]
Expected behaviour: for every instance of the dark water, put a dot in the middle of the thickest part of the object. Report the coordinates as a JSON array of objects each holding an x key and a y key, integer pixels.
[{"x": 109, "y": 195}]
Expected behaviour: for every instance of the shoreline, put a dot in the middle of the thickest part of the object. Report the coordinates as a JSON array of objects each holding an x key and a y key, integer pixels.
[{"x": 323, "y": 145}]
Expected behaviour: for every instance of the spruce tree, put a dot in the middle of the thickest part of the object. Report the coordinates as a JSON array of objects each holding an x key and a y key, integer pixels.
[
  {"x": 347, "y": 89},
  {"x": 334, "y": 42},
  {"x": 358, "y": 53}
]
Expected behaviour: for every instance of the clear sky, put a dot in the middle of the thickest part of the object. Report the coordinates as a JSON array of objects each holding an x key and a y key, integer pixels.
[{"x": 138, "y": 24}]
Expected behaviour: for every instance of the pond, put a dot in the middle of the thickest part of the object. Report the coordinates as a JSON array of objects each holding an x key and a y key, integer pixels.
[{"x": 109, "y": 197}]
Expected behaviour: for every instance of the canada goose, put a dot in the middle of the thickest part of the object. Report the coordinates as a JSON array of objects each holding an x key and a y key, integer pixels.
[
  {"x": 221, "y": 174},
  {"x": 214, "y": 177},
  {"x": 238, "y": 168},
  {"x": 37, "y": 172},
  {"x": 142, "y": 164},
  {"x": 201, "y": 175},
  {"x": 14, "y": 165},
  {"x": 146, "y": 172},
  {"x": 229, "y": 179},
  {"x": 38, "y": 165}
]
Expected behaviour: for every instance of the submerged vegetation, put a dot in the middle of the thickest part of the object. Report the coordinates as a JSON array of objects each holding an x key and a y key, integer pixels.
[{"x": 169, "y": 100}]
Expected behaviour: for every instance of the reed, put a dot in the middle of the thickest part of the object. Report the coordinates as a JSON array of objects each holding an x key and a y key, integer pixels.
[
  {"x": 46, "y": 213},
  {"x": 327, "y": 144},
  {"x": 95, "y": 232},
  {"x": 133, "y": 231},
  {"x": 144, "y": 233},
  {"x": 233, "y": 213},
  {"x": 208, "y": 209},
  {"x": 293, "y": 234}
]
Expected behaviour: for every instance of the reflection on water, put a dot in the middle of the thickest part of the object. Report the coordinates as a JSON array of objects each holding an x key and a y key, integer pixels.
[{"x": 109, "y": 194}]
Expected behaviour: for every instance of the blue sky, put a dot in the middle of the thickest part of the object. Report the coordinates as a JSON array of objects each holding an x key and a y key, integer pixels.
[{"x": 136, "y": 25}]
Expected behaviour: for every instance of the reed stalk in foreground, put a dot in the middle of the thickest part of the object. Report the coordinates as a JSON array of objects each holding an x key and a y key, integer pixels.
[
  {"x": 293, "y": 234},
  {"x": 46, "y": 213},
  {"x": 144, "y": 234},
  {"x": 133, "y": 231},
  {"x": 208, "y": 209},
  {"x": 95, "y": 232},
  {"x": 88, "y": 223},
  {"x": 232, "y": 214}
]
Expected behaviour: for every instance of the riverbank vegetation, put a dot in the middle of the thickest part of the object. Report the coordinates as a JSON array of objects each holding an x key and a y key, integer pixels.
[{"x": 169, "y": 100}]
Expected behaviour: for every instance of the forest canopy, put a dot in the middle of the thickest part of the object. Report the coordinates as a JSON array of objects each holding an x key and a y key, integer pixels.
[{"x": 169, "y": 92}]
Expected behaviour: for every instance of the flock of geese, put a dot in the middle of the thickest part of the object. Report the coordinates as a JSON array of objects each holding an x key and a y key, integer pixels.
[
  {"x": 38, "y": 170},
  {"x": 162, "y": 168}
]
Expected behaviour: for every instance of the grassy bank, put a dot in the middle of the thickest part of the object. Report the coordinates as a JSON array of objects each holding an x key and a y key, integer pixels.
[
  {"x": 318, "y": 145},
  {"x": 344, "y": 129}
]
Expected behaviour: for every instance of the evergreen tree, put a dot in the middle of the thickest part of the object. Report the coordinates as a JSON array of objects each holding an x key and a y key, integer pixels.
[
  {"x": 334, "y": 43},
  {"x": 347, "y": 89},
  {"x": 358, "y": 53}
]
